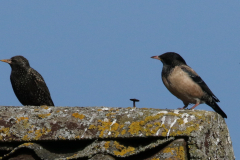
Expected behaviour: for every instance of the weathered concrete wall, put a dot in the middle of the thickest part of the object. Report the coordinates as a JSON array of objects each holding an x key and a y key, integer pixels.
[{"x": 112, "y": 133}]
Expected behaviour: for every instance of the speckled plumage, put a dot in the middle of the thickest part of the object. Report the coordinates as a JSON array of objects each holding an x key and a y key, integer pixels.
[
  {"x": 28, "y": 85},
  {"x": 183, "y": 82}
]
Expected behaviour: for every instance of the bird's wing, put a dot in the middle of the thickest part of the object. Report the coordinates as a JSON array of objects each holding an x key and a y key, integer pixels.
[
  {"x": 197, "y": 79},
  {"x": 37, "y": 82}
]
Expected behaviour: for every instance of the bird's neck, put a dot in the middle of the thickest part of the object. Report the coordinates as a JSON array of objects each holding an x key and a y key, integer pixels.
[
  {"x": 167, "y": 69},
  {"x": 19, "y": 71}
]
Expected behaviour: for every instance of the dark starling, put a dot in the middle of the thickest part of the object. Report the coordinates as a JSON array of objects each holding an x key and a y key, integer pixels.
[
  {"x": 184, "y": 83},
  {"x": 28, "y": 85}
]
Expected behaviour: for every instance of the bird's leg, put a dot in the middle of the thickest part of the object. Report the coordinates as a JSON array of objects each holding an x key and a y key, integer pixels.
[
  {"x": 185, "y": 106},
  {"x": 195, "y": 105}
]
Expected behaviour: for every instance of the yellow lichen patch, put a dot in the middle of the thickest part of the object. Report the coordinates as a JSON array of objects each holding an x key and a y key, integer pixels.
[
  {"x": 26, "y": 138},
  {"x": 169, "y": 150},
  {"x": 108, "y": 127},
  {"x": 157, "y": 123},
  {"x": 123, "y": 132},
  {"x": 155, "y": 159},
  {"x": 116, "y": 134},
  {"x": 164, "y": 133},
  {"x": 71, "y": 157},
  {"x": 121, "y": 126},
  {"x": 4, "y": 131},
  {"x": 44, "y": 115},
  {"x": 122, "y": 150},
  {"x": 99, "y": 110},
  {"x": 115, "y": 126},
  {"x": 191, "y": 128},
  {"x": 61, "y": 137},
  {"x": 91, "y": 126},
  {"x": 40, "y": 132},
  {"x": 149, "y": 125},
  {"x": 155, "y": 129},
  {"x": 77, "y": 115},
  {"x": 27, "y": 144},
  {"x": 21, "y": 119},
  {"x": 155, "y": 117},
  {"x": 180, "y": 121},
  {"x": 142, "y": 123},
  {"x": 135, "y": 127},
  {"x": 31, "y": 131},
  {"x": 181, "y": 153},
  {"x": 44, "y": 107},
  {"x": 177, "y": 152},
  {"x": 107, "y": 144},
  {"x": 149, "y": 130},
  {"x": 110, "y": 114}
]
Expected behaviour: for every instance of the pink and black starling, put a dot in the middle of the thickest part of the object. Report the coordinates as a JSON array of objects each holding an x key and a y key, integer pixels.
[
  {"x": 184, "y": 83},
  {"x": 28, "y": 85}
]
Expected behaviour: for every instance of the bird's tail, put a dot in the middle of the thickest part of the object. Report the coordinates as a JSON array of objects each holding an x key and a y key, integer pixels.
[{"x": 216, "y": 108}]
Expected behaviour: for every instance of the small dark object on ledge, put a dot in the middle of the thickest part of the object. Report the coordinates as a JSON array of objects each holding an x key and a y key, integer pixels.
[{"x": 134, "y": 100}]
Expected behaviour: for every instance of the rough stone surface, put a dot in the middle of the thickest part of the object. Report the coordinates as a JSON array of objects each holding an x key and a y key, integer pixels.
[{"x": 91, "y": 132}]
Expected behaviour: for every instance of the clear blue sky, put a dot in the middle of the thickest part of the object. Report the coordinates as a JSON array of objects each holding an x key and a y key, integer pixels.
[{"x": 97, "y": 53}]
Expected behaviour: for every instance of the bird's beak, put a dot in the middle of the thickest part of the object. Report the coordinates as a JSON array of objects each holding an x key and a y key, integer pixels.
[
  {"x": 156, "y": 57},
  {"x": 6, "y": 60}
]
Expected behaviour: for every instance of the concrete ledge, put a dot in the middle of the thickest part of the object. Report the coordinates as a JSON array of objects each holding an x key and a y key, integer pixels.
[{"x": 93, "y": 132}]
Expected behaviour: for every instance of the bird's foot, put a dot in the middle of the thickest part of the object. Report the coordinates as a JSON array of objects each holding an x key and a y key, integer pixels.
[{"x": 181, "y": 108}]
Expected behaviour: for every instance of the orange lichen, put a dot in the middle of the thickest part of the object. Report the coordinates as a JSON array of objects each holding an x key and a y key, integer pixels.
[
  {"x": 71, "y": 157},
  {"x": 123, "y": 132},
  {"x": 109, "y": 127},
  {"x": 40, "y": 132},
  {"x": 181, "y": 153},
  {"x": 135, "y": 127},
  {"x": 61, "y": 137},
  {"x": 110, "y": 114},
  {"x": 77, "y": 115},
  {"x": 177, "y": 152},
  {"x": 44, "y": 115},
  {"x": 26, "y": 138},
  {"x": 5, "y": 132},
  {"x": 121, "y": 126},
  {"x": 44, "y": 107},
  {"x": 107, "y": 144},
  {"x": 31, "y": 131},
  {"x": 91, "y": 126},
  {"x": 26, "y": 144},
  {"x": 142, "y": 123},
  {"x": 21, "y": 119},
  {"x": 122, "y": 150}
]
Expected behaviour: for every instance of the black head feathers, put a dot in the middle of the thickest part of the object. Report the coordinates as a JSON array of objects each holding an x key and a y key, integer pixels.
[{"x": 172, "y": 58}]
